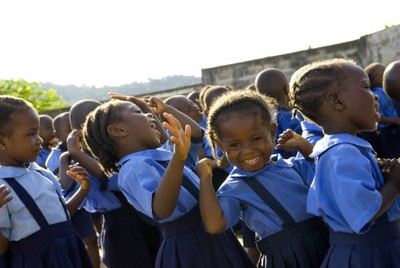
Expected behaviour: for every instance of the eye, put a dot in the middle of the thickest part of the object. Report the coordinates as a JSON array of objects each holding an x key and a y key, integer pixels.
[
  {"x": 234, "y": 145},
  {"x": 255, "y": 139}
]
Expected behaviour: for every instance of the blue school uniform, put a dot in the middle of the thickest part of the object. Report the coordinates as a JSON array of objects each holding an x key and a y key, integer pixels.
[
  {"x": 284, "y": 121},
  {"x": 52, "y": 161},
  {"x": 345, "y": 193},
  {"x": 185, "y": 242},
  {"x": 37, "y": 223},
  {"x": 41, "y": 159},
  {"x": 125, "y": 239},
  {"x": 281, "y": 241}
]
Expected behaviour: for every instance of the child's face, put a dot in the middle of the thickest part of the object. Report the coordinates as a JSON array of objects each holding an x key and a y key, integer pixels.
[
  {"x": 361, "y": 104},
  {"x": 141, "y": 128},
  {"x": 246, "y": 140},
  {"x": 24, "y": 143},
  {"x": 46, "y": 131},
  {"x": 64, "y": 130}
]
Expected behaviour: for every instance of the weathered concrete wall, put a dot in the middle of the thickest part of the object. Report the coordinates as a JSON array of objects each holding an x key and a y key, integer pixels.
[{"x": 382, "y": 46}]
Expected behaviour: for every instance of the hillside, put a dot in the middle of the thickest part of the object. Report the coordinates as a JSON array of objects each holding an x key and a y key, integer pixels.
[{"x": 72, "y": 93}]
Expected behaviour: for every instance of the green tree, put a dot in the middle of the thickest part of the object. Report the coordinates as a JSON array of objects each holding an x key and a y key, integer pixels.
[{"x": 41, "y": 98}]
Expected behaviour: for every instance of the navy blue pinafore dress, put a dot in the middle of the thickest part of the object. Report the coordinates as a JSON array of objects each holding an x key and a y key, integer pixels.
[
  {"x": 186, "y": 244},
  {"x": 55, "y": 245},
  {"x": 298, "y": 245}
]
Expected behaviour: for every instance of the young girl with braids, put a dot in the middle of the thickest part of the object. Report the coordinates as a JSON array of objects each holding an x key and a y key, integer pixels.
[
  {"x": 35, "y": 226},
  {"x": 360, "y": 205},
  {"x": 128, "y": 138},
  {"x": 264, "y": 190}
]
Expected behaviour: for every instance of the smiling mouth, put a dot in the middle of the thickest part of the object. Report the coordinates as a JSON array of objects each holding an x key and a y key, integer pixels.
[{"x": 252, "y": 161}]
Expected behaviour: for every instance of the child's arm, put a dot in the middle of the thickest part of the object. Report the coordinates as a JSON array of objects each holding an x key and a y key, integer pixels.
[
  {"x": 145, "y": 109},
  {"x": 64, "y": 163},
  {"x": 3, "y": 244},
  {"x": 166, "y": 194},
  {"x": 5, "y": 196},
  {"x": 160, "y": 107},
  {"x": 74, "y": 148},
  {"x": 213, "y": 217},
  {"x": 290, "y": 140},
  {"x": 80, "y": 175}
]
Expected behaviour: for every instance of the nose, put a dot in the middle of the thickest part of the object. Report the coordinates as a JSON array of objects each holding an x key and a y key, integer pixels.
[
  {"x": 149, "y": 115},
  {"x": 39, "y": 140}
]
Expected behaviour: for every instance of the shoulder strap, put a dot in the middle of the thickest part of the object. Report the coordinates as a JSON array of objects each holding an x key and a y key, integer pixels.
[
  {"x": 28, "y": 202},
  {"x": 59, "y": 197},
  {"x": 186, "y": 183},
  {"x": 270, "y": 200}
]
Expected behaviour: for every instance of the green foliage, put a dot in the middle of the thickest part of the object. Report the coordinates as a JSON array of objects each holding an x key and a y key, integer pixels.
[{"x": 41, "y": 98}]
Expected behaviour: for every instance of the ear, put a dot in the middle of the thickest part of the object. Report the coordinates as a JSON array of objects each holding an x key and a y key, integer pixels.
[
  {"x": 116, "y": 130},
  {"x": 335, "y": 100},
  {"x": 220, "y": 146}
]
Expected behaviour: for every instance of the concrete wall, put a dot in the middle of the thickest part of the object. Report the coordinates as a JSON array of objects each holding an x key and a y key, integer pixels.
[{"x": 382, "y": 46}]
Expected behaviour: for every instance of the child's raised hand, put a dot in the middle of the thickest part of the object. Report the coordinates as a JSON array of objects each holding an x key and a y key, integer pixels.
[
  {"x": 5, "y": 196},
  {"x": 392, "y": 172},
  {"x": 74, "y": 140},
  {"x": 288, "y": 140},
  {"x": 204, "y": 169},
  {"x": 386, "y": 165},
  {"x": 180, "y": 138},
  {"x": 80, "y": 175},
  {"x": 157, "y": 105}
]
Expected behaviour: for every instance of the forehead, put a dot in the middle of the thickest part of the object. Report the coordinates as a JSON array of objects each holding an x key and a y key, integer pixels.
[
  {"x": 352, "y": 71},
  {"x": 25, "y": 119}
]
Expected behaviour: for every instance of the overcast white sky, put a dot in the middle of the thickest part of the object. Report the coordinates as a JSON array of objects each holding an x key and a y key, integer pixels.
[{"x": 96, "y": 42}]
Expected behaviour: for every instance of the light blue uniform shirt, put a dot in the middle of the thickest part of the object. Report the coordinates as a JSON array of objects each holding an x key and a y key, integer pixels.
[
  {"x": 345, "y": 190},
  {"x": 140, "y": 175},
  {"x": 286, "y": 179},
  {"x": 16, "y": 222},
  {"x": 96, "y": 200},
  {"x": 52, "y": 161}
]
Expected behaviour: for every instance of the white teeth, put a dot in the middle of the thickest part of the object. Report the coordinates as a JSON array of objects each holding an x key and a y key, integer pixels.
[{"x": 251, "y": 161}]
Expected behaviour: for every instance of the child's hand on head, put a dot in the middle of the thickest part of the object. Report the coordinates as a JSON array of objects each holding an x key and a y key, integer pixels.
[
  {"x": 157, "y": 105},
  {"x": 180, "y": 138},
  {"x": 204, "y": 169},
  {"x": 5, "y": 196},
  {"x": 74, "y": 140},
  {"x": 138, "y": 101},
  {"x": 80, "y": 175}
]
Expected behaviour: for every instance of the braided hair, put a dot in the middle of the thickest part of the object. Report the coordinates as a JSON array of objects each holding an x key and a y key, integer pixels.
[
  {"x": 96, "y": 136},
  {"x": 310, "y": 83},
  {"x": 10, "y": 105}
]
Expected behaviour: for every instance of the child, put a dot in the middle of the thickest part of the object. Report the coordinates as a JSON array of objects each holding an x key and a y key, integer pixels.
[
  {"x": 273, "y": 83},
  {"x": 62, "y": 128},
  {"x": 35, "y": 225},
  {"x": 186, "y": 106},
  {"x": 47, "y": 135},
  {"x": 127, "y": 138},
  {"x": 391, "y": 80},
  {"x": 266, "y": 191},
  {"x": 348, "y": 191},
  {"x": 388, "y": 131},
  {"x": 125, "y": 239}
]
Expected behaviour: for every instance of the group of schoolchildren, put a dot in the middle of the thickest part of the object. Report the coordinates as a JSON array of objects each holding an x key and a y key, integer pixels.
[{"x": 299, "y": 169}]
